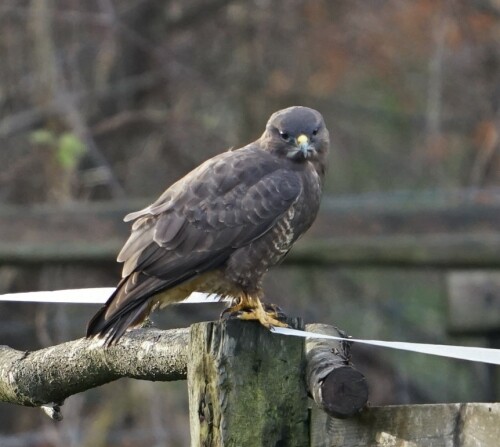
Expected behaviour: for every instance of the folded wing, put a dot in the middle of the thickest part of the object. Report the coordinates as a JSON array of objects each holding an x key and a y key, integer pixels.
[{"x": 226, "y": 203}]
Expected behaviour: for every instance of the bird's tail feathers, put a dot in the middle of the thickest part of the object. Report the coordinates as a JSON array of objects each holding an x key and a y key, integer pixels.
[{"x": 111, "y": 327}]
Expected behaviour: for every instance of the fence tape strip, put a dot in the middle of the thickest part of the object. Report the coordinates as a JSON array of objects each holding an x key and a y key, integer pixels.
[
  {"x": 485, "y": 355},
  {"x": 75, "y": 296},
  {"x": 101, "y": 294},
  {"x": 95, "y": 295}
]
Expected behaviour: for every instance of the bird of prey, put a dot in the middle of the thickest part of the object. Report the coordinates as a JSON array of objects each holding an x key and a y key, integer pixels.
[{"x": 222, "y": 226}]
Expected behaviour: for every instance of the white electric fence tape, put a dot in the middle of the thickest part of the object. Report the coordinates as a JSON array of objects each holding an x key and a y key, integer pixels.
[
  {"x": 74, "y": 296},
  {"x": 100, "y": 296},
  {"x": 97, "y": 295},
  {"x": 485, "y": 355}
]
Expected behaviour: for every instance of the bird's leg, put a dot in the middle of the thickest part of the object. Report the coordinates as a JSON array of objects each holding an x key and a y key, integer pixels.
[
  {"x": 251, "y": 308},
  {"x": 237, "y": 305}
]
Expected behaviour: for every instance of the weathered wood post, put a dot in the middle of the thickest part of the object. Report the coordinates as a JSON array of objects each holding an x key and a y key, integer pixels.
[
  {"x": 438, "y": 425},
  {"x": 334, "y": 384},
  {"x": 246, "y": 386}
]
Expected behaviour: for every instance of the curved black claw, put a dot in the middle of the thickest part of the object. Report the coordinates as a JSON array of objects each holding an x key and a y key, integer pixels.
[
  {"x": 233, "y": 308},
  {"x": 274, "y": 309}
]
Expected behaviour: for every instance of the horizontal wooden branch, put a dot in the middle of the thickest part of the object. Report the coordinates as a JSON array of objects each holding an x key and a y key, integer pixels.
[
  {"x": 442, "y": 251},
  {"x": 48, "y": 376},
  {"x": 438, "y": 229},
  {"x": 52, "y": 374}
]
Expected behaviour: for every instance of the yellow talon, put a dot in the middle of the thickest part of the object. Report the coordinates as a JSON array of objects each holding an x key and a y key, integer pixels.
[
  {"x": 266, "y": 319},
  {"x": 250, "y": 308}
]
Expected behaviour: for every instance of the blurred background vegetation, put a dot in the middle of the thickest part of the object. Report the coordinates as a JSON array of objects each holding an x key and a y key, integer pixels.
[{"x": 105, "y": 100}]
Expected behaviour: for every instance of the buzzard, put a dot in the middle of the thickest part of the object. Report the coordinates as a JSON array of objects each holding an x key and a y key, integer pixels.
[{"x": 222, "y": 226}]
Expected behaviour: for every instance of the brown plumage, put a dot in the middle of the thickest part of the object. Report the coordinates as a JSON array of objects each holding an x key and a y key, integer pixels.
[{"x": 219, "y": 228}]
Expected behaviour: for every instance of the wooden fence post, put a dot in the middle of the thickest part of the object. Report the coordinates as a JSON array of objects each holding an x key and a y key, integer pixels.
[
  {"x": 246, "y": 386},
  {"x": 437, "y": 425}
]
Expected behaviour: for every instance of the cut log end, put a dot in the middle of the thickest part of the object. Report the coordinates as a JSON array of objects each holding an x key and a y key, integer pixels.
[
  {"x": 334, "y": 384},
  {"x": 344, "y": 392}
]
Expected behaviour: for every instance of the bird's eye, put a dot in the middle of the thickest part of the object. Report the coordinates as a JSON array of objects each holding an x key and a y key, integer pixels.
[
  {"x": 315, "y": 131},
  {"x": 284, "y": 135}
]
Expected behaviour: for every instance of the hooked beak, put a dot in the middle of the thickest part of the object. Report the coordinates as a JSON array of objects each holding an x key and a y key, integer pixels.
[{"x": 304, "y": 145}]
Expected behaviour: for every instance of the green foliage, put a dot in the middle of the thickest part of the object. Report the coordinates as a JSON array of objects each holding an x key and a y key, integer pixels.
[{"x": 68, "y": 148}]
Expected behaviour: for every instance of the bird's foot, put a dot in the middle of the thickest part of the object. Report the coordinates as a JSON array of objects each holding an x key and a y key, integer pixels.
[
  {"x": 266, "y": 314},
  {"x": 274, "y": 310},
  {"x": 146, "y": 323},
  {"x": 267, "y": 319}
]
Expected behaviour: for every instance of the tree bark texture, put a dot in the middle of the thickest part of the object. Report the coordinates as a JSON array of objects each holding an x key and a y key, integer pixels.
[
  {"x": 333, "y": 382},
  {"x": 52, "y": 374},
  {"x": 246, "y": 386}
]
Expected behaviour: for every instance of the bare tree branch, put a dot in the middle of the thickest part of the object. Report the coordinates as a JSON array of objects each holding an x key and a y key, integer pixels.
[
  {"x": 20, "y": 121},
  {"x": 45, "y": 378},
  {"x": 193, "y": 15},
  {"x": 50, "y": 375}
]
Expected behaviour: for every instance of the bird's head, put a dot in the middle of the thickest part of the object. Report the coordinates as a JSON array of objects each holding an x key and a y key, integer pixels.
[{"x": 299, "y": 134}]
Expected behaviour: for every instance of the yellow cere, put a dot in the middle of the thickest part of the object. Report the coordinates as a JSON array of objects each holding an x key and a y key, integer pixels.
[{"x": 302, "y": 139}]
